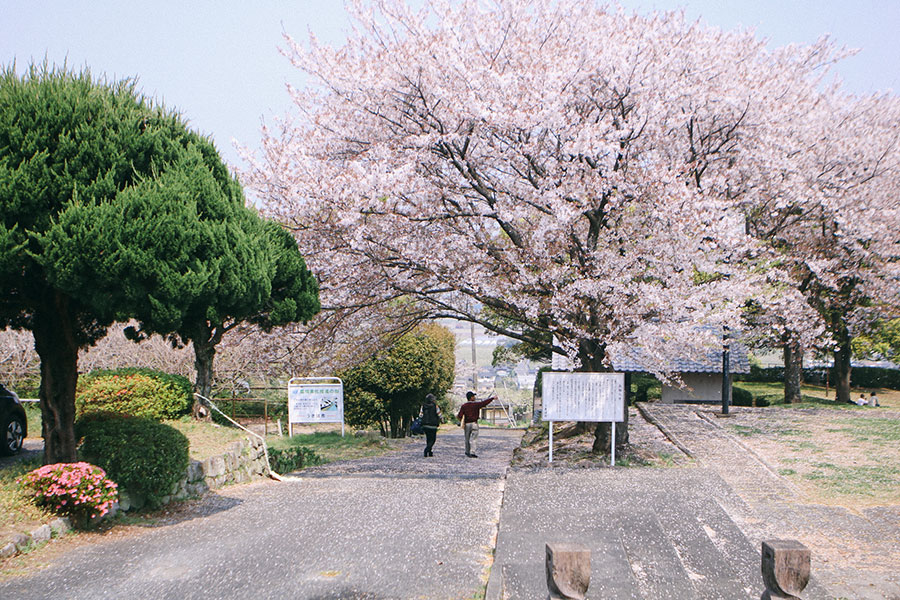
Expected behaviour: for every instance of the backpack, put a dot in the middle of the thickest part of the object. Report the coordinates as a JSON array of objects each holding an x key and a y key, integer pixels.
[{"x": 430, "y": 415}]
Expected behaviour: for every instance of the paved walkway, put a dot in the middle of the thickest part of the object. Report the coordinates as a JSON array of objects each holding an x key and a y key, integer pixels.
[
  {"x": 398, "y": 526},
  {"x": 850, "y": 549},
  {"x": 403, "y": 527}
]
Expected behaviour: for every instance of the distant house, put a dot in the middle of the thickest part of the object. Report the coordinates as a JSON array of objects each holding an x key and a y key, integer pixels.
[
  {"x": 498, "y": 411},
  {"x": 701, "y": 375}
]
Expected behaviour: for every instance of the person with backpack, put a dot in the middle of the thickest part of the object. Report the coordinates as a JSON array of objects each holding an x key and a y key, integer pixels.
[{"x": 431, "y": 420}]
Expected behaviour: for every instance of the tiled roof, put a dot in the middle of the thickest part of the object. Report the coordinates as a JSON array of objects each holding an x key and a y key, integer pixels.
[{"x": 738, "y": 361}]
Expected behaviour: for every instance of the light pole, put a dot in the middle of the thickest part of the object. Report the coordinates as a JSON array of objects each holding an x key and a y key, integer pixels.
[{"x": 726, "y": 375}]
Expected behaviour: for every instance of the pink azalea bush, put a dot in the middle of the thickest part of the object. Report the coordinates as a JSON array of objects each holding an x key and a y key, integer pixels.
[{"x": 79, "y": 490}]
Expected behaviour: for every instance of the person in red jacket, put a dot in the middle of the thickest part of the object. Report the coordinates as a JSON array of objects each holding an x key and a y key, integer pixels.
[{"x": 468, "y": 419}]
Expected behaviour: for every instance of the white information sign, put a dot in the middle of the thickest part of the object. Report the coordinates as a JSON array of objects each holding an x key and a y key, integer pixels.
[
  {"x": 584, "y": 397},
  {"x": 596, "y": 397},
  {"x": 315, "y": 400}
]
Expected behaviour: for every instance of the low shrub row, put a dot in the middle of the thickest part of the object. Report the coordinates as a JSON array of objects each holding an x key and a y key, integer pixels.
[
  {"x": 860, "y": 377},
  {"x": 743, "y": 397},
  {"x": 287, "y": 460},
  {"x": 135, "y": 392}
]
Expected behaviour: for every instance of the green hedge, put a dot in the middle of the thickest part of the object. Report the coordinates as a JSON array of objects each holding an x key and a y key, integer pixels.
[
  {"x": 860, "y": 377},
  {"x": 135, "y": 392},
  {"x": 743, "y": 397},
  {"x": 141, "y": 455}
]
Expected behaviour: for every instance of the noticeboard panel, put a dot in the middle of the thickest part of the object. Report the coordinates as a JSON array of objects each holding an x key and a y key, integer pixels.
[
  {"x": 583, "y": 397},
  {"x": 316, "y": 402}
]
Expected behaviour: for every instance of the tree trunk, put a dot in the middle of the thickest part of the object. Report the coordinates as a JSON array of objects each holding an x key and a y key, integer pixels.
[
  {"x": 55, "y": 342},
  {"x": 204, "y": 355},
  {"x": 592, "y": 355},
  {"x": 793, "y": 371},
  {"x": 395, "y": 420},
  {"x": 842, "y": 364}
]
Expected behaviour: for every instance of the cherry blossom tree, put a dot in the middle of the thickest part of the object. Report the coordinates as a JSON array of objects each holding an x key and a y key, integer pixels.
[
  {"x": 583, "y": 172},
  {"x": 833, "y": 224}
]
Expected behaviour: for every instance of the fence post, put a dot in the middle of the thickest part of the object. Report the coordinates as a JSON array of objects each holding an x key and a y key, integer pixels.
[
  {"x": 568, "y": 570},
  {"x": 265, "y": 416},
  {"x": 785, "y": 569}
]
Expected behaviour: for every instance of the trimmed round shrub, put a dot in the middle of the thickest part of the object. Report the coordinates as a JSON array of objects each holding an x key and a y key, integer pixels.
[
  {"x": 134, "y": 392},
  {"x": 741, "y": 397},
  {"x": 141, "y": 455},
  {"x": 78, "y": 490}
]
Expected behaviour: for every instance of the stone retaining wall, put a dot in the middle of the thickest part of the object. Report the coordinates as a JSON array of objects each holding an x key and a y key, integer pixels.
[{"x": 241, "y": 461}]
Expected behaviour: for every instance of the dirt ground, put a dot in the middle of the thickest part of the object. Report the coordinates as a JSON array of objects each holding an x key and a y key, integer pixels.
[
  {"x": 848, "y": 458},
  {"x": 572, "y": 448}
]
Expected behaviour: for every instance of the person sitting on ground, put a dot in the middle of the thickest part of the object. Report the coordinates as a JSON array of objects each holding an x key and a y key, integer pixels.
[
  {"x": 873, "y": 400},
  {"x": 468, "y": 419},
  {"x": 861, "y": 401}
]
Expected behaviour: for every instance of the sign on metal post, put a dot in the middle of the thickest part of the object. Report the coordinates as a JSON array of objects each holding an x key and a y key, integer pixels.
[
  {"x": 315, "y": 400},
  {"x": 597, "y": 397}
]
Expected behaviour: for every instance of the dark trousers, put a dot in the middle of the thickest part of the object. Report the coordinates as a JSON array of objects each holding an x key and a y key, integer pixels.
[{"x": 430, "y": 436}]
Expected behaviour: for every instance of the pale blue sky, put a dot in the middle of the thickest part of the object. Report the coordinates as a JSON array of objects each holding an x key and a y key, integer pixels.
[{"x": 217, "y": 62}]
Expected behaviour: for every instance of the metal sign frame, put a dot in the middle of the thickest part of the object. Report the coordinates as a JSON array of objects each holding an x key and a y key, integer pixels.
[
  {"x": 595, "y": 397},
  {"x": 320, "y": 388}
]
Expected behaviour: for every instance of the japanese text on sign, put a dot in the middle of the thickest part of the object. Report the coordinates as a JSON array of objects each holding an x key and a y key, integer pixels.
[
  {"x": 584, "y": 397},
  {"x": 316, "y": 403}
]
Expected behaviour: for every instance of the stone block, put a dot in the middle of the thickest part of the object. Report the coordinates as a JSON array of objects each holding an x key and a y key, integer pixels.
[
  {"x": 197, "y": 489},
  {"x": 785, "y": 569},
  {"x": 21, "y": 541},
  {"x": 568, "y": 570},
  {"x": 42, "y": 534},
  {"x": 8, "y": 550},
  {"x": 194, "y": 471},
  {"x": 61, "y": 525},
  {"x": 131, "y": 500},
  {"x": 214, "y": 466}
]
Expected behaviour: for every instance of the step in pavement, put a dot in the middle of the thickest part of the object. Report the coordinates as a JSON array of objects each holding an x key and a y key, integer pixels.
[{"x": 653, "y": 534}]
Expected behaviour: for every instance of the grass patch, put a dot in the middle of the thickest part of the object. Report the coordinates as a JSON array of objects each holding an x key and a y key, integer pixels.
[
  {"x": 17, "y": 513},
  {"x": 745, "y": 430},
  {"x": 331, "y": 446},
  {"x": 805, "y": 447},
  {"x": 855, "y": 480},
  {"x": 207, "y": 439},
  {"x": 793, "y": 432},
  {"x": 868, "y": 429},
  {"x": 33, "y": 416}
]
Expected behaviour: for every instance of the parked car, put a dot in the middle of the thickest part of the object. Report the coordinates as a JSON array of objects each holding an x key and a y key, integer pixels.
[{"x": 13, "y": 423}]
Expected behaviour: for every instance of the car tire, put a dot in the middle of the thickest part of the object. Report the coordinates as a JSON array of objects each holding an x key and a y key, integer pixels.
[{"x": 13, "y": 435}]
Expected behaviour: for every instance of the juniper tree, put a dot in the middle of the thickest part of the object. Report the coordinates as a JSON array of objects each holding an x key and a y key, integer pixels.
[{"x": 111, "y": 208}]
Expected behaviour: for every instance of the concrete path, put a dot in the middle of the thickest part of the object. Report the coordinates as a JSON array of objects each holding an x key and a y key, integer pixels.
[
  {"x": 398, "y": 526},
  {"x": 850, "y": 549},
  {"x": 653, "y": 534},
  {"x": 403, "y": 527}
]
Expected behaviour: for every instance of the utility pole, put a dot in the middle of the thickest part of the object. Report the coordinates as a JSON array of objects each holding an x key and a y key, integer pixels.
[{"x": 474, "y": 360}]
